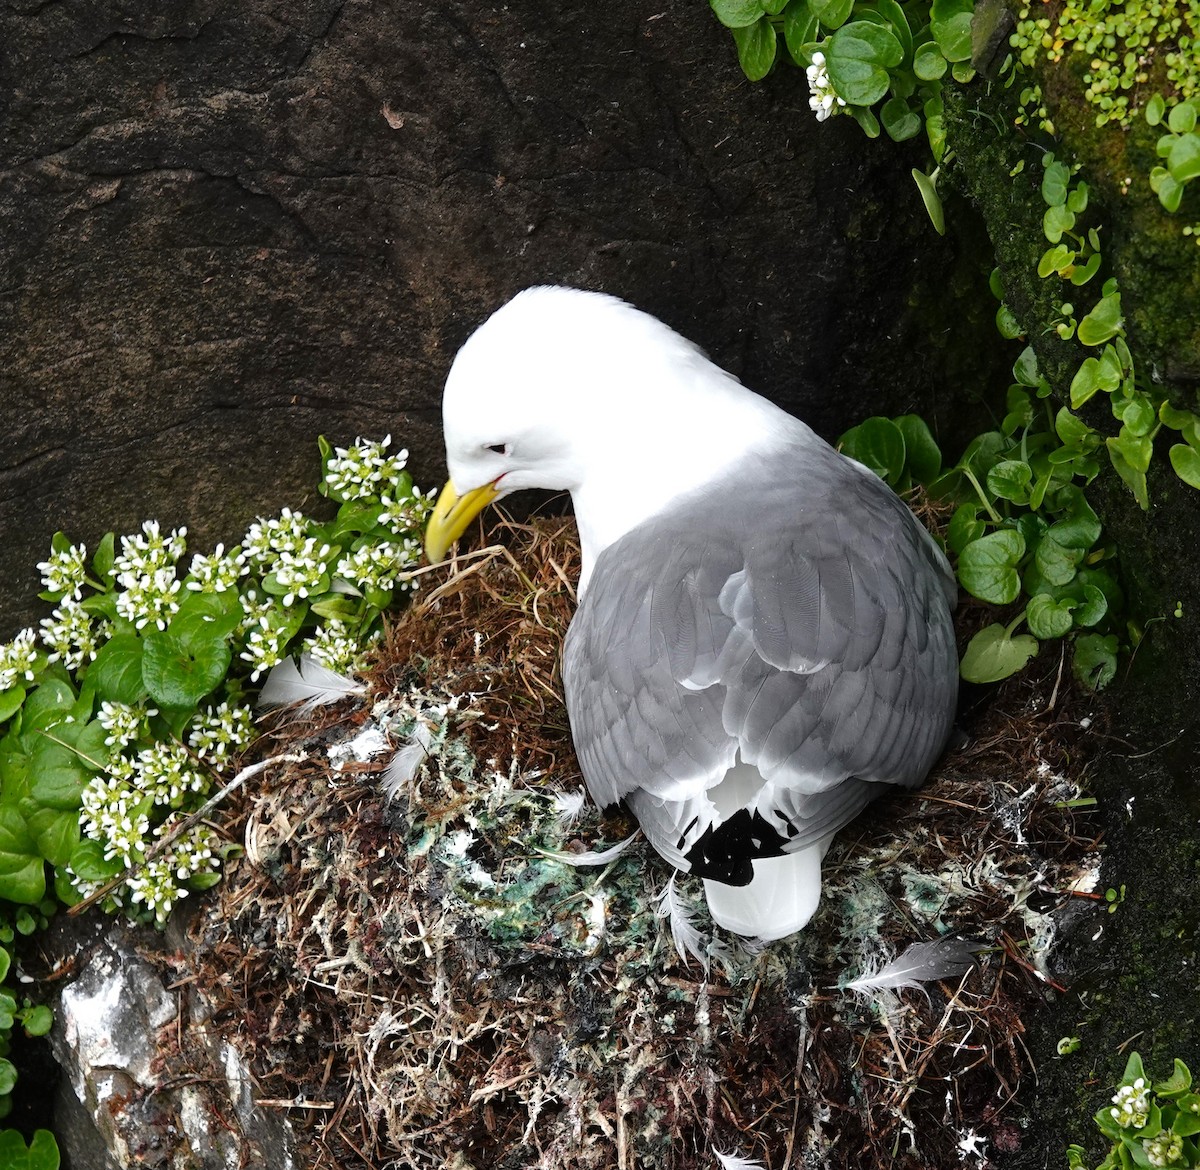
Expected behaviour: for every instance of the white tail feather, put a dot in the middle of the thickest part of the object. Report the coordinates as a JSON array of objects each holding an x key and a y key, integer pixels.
[
  {"x": 737, "y": 1162},
  {"x": 779, "y": 900},
  {"x": 569, "y": 805},
  {"x": 310, "y": 685},
  {"x": 403, "y": 767}
]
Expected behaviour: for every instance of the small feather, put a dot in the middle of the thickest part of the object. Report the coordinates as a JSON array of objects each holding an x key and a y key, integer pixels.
[
  {"x": 568, "y": 806},
  {"x": 590, "y": 858},
  {"x": 684, "y": 931},
  {"x": 404, "y": 764},
  {"x": 737, "y": 1162},
  {"x": 923, "y": 962},
  {"x": 310, "y": 685}
]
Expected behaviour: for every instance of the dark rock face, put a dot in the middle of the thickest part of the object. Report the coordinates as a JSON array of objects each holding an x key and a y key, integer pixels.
[{"x": 231, "y": 227}]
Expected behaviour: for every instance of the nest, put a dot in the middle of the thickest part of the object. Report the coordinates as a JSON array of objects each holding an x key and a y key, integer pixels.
[{"x": 420, "y": 983}]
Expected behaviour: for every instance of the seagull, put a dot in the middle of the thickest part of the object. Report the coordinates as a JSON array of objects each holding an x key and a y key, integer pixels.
[{"x": 763, "y": 642}]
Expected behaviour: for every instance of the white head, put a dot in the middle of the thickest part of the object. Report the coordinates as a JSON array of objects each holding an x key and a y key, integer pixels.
[{"x": 577, "y": 391}]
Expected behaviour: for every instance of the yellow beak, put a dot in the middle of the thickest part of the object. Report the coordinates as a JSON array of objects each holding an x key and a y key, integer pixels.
[{"x": 451, "y": 515}]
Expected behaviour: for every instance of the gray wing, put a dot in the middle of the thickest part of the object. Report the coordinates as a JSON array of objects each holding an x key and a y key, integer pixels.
[{"x": 797, "y": 619}]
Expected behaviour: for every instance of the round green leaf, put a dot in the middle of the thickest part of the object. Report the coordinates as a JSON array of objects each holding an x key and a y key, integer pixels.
[
  {"x": 179, "y": 672},
  {"x": 921, "y": 452},
  {"x": 1155, "y": 108},
  {"x": 10, "y": 702},
  {"x": 1047, "y": 617},
  {"x": 877, "y": 443},
  {"x": 1056, "y": 222},
  {"x": 895, "y": 16},
  {"x": 22, "y": 869},
  {"x": 1182, "y": 119},
  {"x": 858, "y": 57},
  {"x": 733, "y": 14},
  {"x": 899, "y": 120},
  {"x": 964, "y": 527},
  {"x": 1010, "y": 480},
  {"x": 1103, "y": 322},
  {"x": 1055, "y": 182},
  {"x": 832, "y": 13},
  {"x": 116, "y": 671},
  {"x": 1184, "y": 160},
  {"x": 1186, "y": 462},
  {"x": 37, "y": 1020},
  {"x": 47, "y": 705},
  {"x": 1056, "y": 562},
  {"x": 8, "y": 1081},
  {"x": 57, "y": 776},
  {"x": 42, "y": 1153},
  {"x": 987, "y": 567},
  {"x": 799, "y": 29},
  {"x": 950, "y": 23},
  {"x": 1095, "y": 660},
  {"x": 756, "y": 48},
  {"x": 55, "y": 832},
  {"x": 993, "y": 655},
  {"x": 1079, "y": 526},
  {"x": 89, "y": 863},
  {"x": 928, "y": 61}
]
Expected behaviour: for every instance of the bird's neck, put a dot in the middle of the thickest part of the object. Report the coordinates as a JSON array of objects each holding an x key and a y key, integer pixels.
[{"x": 664, "y": 453}]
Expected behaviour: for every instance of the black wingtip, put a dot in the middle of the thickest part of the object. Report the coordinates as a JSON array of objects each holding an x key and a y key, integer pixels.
[{"x": 726, "y": 852}]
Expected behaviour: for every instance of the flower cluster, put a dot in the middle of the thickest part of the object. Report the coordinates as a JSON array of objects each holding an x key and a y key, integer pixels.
[
  {"x": 333, "y": 645},
  {"x": 71, "y": 635},
  {"x": 266, "y": 539},
  {"x": 1163, "y": 1150},
  {"x": 353, "y": 473},
  {"x": 65, "y": 572},
  {"x": 303, "y": 570},
  {"x": 122, "y": 722},
  {"x": 406, "y": 513},
  {"x": 18, "y": 659},
  {"x": 376, "y": 566},
  {"x": 823, "y": 99},
  {"x": 266, "y": 642},
  {"x": 146, "y": 572},
  {"x": 216, "y": 573},
  {"x": 1132, "y": 1105},
  {"x": 218, "y": 735}
]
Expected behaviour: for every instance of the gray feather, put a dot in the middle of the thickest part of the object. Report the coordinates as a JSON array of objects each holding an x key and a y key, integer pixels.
[{"x": 922, "y": 962}]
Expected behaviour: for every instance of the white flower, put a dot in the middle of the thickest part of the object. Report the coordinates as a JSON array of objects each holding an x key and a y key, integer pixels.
[
  {"x": 143, "y": 555},
  {"x": 823, "y": 99},
  {"x": 1132, "y": 1105},
  {"x": 18, "y": 659},
  {"x": 356, "y": 472},
  {"x": 218, "y": 735},
  {"x": 149, "y": 597},
  {"x": 1163, "y": 1150},
  {"x": 406, "y": 514},
  {"x": 122, "y": 722},
  {"x": 376, "y": 566},
  {"x": 266, "y": 539},
  {"x": 218, "y": 572},
  {"x": 65, "y": 571},
  {"x": 303, "y": 570},
  {"x": 165, "y": 773},
  {"x": 264, "y": 647},
  {"x": 155, "y": 887},
  {"x": 333, "y": 646},
  {"x": 70, "y": 635}
]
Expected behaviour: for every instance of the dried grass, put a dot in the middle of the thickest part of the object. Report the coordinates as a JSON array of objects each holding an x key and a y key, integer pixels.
[{"x": 410, "y": 1017}]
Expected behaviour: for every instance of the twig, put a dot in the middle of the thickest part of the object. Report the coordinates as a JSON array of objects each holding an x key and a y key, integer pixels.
[{"x": 182, "y": 827}]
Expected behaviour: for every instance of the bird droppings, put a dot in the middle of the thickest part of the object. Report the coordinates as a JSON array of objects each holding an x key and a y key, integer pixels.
[{"x": 440, "y": 993}]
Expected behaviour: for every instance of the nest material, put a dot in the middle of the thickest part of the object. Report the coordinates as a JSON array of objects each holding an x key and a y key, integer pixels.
[{"x": 424, "y": 988}]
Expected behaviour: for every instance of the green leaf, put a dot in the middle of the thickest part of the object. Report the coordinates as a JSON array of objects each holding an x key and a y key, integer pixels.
[
  {"x": 993, "y": 654},
  {"x": 1047, "y": 617},
  {"x": 1077, "y": 198},
  {"x": 1056, "y": 221},
  {"x": 894, "y": 15},
  {"x": 10, "y": 702},
  {"x": 832, "y": 13},
  {"x": 922, "y": 455},
  {"x": 1056, "y": 562},
  {"x": 933, "y": 206},
  {"x": 1177, "y": 420},
  {"x": 901, "y": 122},
  {"x": 47, "y": 705},
  {"x": 57, "y": 776},
  {"x": 987, "y": 567},
  {"x": 208, "y": 616},
  {"x": 732, "y": 14},
  {"x": 1082, "y": 273},
  {"x": 756, "y": 48},
  {"x": 1182, "y": 119},
  {"x": 1095, "y": 662},
  {"x": 1070, "y": 429},
  {"x": 877, "y": 443},
  {"x": 55, "y": 832},
  {"x": 41, "y": 1153},
  {"x": 1139, "y": 415},
  {"x": 22, "y": 869},
  {"x": 1168, "y": 189},
  {"x": 799, "y": 29},
  {"x": 89, "y": 863},
  {"x": 37, "y": 1020},
  {"x": 1103, "y": 322},
  {"x": 962, "y": 72},
  {"x": 929, "y": 63},
  {"x": 178, "y": 671},
  {"x": 8, "y": 1081},
  {"x": 116, "y": 670},
  {"x": 866, "y": 120},
  {"x": 1025, "y": 369},
  {"x": 1056, "y": 259},
  {"x": 950, "y": 23},
  {"x": 964, "y": 527},
  {"x": 1184, "y": 160},
  {"x": 104, "y": 557},
  {"x": 1010, "y": 480},
  {"x": 858, "y": 57},
  {"x": 1006, "y": 322},
  {"x": 1177, "y": 1083},
  {"x": 1186, "y": 462},
  {"x": 1155, "y": 108},
  {"x": 1079, "y": 528},
  {"x": 1092, "y": 608},
  {"x": 1055, "y": 182}
]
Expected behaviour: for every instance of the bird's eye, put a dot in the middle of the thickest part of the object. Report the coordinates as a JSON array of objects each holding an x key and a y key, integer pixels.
[{"x": 498, "y": 448}]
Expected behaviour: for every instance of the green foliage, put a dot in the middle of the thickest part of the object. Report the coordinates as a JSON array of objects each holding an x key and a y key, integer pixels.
[
  {"x": 1147, "y": 1124},
  {"x": 880, "y": 61},
  {"x": 1178, "y": 147},
  {"x": 41, "y": 1153},
  {"x": 118, "y": 714}
]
